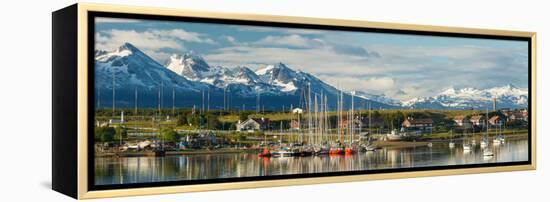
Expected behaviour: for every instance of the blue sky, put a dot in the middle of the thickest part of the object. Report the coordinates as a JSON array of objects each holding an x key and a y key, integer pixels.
[{"x": 399, "y": 66}]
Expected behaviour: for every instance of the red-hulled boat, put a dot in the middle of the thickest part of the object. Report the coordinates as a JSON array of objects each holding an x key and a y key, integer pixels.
[
  {"x": 265, "y": 153},
  {"x": 336, "y": 150},
  {"x": 349, "y": 150}
]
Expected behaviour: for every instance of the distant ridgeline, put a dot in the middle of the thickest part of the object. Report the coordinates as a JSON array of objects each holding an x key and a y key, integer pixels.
[{"x": 187, "y": 80}]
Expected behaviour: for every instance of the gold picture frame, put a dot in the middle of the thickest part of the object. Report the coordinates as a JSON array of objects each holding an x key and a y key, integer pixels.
[{"x": 78, "y": 187}]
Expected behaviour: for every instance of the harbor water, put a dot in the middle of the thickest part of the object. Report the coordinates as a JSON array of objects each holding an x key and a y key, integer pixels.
[{"x": 125, "y": 170}]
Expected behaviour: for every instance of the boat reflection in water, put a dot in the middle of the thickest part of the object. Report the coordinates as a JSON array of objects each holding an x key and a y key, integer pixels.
[{"x": 123, "y": 170}]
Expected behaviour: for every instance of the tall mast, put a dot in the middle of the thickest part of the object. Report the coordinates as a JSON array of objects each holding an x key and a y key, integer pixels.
[
  {"x": 316, "y": 118},
  {"x": 162, "y": 94},
  {"x": 352, "y": 117},
  {"x": 339, "y": 122},
  {"x": 158, "y": 101},
  {"x": 326, "y": 119},
  {"x": 173, "y": 101},
  {"x": 98, "y": 98},
  {"x": 341, "y": 112},
  {"x": 208, "y": 101},
  {"x": 487, "y": 125},
  {"x": 309, "y": 111},
  {"x": 135, "y": 100},
  {"x": 321, "y": 118},
  {"x": 370, "y": 119},
  {"x": 113, "y": 75}
]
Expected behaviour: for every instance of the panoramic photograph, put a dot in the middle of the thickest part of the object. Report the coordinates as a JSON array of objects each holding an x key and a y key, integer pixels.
[{"x": 184, "y": 101}]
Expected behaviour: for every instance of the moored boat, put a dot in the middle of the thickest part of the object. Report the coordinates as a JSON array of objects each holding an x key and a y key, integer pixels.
[
  {"x": 487, "y": 152},
  {"x": 336, "y": 150},
  {"x": 349, "y": 150},
  {"x": 321, "y": 150},
  {"x": 307, "y": 151},
  {"x": 451, "y": 145},
  {"x": 394, "y": 135},
  {"x": 265, "y": 153},
  {"x": 466, "y": 147}
]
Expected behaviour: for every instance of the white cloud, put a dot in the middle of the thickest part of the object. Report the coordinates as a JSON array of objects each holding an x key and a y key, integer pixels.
[
  {"x": 402, "y": 72},
  {"x": 184, "y": 35},
  {"x": 373, "y": 84},
  {"x": 112, "y": 39},
  {"x": 150, "y": 41},
  {"x": 293, "y": 40},
  {"x": 230, "y": 39}
]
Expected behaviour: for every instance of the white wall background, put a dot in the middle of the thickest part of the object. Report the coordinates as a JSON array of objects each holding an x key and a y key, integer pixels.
[{"x": 25, "y": 100}]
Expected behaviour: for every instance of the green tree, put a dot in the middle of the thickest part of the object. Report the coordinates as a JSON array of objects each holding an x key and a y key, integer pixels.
[
  {"x": 195, "y": 120},
  {"x": 120, "y": 133},
  {"x": 376, "y": 114},
  {"x": 170, "y": 135},
  {"x": 213, "y": 122},
  {"x": 104, "y": 134},
  {"x": 243, "y": 115},
  {"x": 181, "y": 120}
]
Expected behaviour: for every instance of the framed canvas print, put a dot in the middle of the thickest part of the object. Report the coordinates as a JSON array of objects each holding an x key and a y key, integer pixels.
[{"x": 151, "y": 101}]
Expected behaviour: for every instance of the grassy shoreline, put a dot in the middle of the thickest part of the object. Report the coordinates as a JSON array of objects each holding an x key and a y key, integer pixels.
[{"x": 377, "y": 143}]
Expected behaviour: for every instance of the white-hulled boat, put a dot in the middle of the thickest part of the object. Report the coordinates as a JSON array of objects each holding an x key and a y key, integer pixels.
[
  {"x": 451, "y": 145},
  {"x": 496, "y": 141},
  {"x": 483, "y": 143},
  {"x": 283, "y": 152},
  {"x": 394, "y": 135},
  {"x": 369, "y": 148},
  {"x": 487, "y": 152},
  {"x": 467, "y": 147}
]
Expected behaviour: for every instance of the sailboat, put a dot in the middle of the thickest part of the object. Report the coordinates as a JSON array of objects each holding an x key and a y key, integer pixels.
[
  {"x": 466, "y": 146},
  {"x": 499, "y": 139},
  {"x": 394, "y": 135},
  {"x": 369, "y": 146},
  {"x": 485, "y": 140},
  {"x": 265, "y": 152},
  {"x": 350, "y": 149},
  {"x": 337, "y": 148},
  {"x": 451, "y": 143}
]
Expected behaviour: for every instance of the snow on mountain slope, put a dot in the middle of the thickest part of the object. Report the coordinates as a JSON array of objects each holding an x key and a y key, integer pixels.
[
  {"x": 132, "y": 68},
  {"x": 507, "y": 96},
  {"x": 189, "y": 65}
]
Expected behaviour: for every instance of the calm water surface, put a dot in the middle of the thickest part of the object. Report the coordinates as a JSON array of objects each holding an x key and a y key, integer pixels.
[{"x": 207, "y": 166}]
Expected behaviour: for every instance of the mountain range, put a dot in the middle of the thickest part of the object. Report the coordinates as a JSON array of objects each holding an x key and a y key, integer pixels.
[
  {"x": 507, "y": 96},
  {"x": 187, "y": 80}
]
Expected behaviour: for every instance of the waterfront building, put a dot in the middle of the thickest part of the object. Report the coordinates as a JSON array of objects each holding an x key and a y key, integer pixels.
[
  {"x": 478, "y": 121},
  {"x": 253, "y": 124},
  {"x": 295, "y": 124},
  {"x": 416, "y": 124},
  {"x": 462, "y": 121},
  {"x": 495, "y": 121},
  {"x": 297, "y": 111}
]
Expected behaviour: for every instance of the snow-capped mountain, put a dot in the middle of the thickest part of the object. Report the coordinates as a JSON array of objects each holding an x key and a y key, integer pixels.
[
  {"x": 507, "y": 96},
  {"x": 130, "y": 67},
  {"x": 189, "y": 65},
  {"x": 131, "y": 70},
  {"x": 240, "y": 80},
  {"x": 188, "y": 80},
  {"x": 293, "y": 81}
]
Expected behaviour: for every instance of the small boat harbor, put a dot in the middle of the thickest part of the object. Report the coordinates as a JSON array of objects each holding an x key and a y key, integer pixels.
[{"x": 314, "y": 129}]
